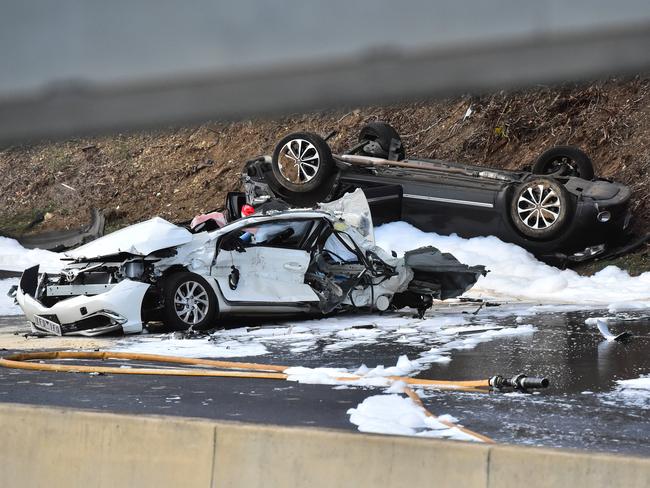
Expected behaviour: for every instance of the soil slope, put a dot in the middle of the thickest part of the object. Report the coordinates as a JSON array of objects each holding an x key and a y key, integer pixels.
[{"x": 179, "y": 172}]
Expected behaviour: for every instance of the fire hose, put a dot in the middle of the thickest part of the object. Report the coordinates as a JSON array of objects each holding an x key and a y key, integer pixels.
[{"x": 235, "y": 369}]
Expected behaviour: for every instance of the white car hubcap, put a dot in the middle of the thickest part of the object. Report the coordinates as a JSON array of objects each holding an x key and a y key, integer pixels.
[
  {"x": 298, "y": 161},
  {"x": 191, "y": 302},
  {"x": 539, "y": 206}
]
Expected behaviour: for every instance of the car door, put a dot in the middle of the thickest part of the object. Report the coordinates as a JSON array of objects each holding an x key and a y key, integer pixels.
[{"x": 269, "y": 267}]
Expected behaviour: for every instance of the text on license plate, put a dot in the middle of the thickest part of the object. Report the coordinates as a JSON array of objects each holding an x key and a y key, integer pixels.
[{"x": 47, "y": 325}]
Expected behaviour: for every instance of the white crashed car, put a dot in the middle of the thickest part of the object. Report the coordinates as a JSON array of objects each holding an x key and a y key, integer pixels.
[{"x": 314, "y": 261}]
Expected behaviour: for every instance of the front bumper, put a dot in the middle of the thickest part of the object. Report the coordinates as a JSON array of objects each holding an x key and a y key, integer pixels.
[{"x": 117, "y": 309}]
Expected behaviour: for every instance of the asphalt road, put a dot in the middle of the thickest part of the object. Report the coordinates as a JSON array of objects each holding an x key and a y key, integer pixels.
[
  {"x": 250, "y": 400},
  {"x": 579, "y": 410}
]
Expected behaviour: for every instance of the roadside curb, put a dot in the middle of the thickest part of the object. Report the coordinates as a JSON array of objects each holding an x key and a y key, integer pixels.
[{"x": 81, "y": 448}]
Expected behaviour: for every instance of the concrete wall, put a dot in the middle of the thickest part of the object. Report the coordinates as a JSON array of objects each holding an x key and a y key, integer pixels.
[{"x": 56, "y": 448}]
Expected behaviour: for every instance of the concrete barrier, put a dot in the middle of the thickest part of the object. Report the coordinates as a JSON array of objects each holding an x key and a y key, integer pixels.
[
  {"x": 53, "y": 447},
  {"x": 287, "y": 457},
  {"x": 512, "y": 466},
  {"x": 67, "y": 448}
]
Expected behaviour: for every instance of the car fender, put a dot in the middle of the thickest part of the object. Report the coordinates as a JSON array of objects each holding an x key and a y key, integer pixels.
[{"x": 196, "y": 256}]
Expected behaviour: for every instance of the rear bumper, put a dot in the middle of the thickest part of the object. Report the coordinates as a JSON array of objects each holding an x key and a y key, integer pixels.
[
  {"x": 117, "y": 309},
  {"x": 588, "y": 237},
  {"x": 590, "y": 230}
]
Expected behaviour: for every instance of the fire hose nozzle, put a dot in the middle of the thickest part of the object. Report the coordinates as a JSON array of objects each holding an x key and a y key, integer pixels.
[{"x": 519, "y": 382}]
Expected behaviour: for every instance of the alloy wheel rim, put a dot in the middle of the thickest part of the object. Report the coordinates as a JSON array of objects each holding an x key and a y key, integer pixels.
[
  {"x": 539, "y": 206},
  {"x": 298, "y": 161},
  {"x": 191, "y": 302}
]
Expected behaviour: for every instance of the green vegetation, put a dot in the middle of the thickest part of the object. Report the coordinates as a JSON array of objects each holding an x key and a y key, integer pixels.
[
  {"x": 635, "y": 263},
  {"x": 113, "y": 225},
  {"x": 119, "y": 150},
  {"x": 16, "y": 224},
  {"x": 57, "y": 157}
]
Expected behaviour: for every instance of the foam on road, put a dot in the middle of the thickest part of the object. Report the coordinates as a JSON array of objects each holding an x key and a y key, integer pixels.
[
  {"x": 14, "y": 257},
  {"x": 398, "y": 415},
  {"x": 633, "y": 392},
  {"x": 515, "y": 274}
]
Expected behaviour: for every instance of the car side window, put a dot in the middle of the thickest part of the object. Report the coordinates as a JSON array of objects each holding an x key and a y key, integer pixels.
[{"x": 284, "y": 234}]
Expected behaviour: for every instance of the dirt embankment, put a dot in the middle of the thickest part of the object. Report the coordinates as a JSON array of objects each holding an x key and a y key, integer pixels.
[{"x": 179, "y": 172}]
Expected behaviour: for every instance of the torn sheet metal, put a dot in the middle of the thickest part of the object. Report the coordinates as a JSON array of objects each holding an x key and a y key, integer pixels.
[
  {"x": 431, "y": 265},
  {"x": 353, "y": 209}
]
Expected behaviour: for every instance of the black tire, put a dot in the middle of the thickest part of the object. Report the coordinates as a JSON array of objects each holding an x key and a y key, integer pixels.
[
  {"x": 302, "y": 162},
  {"x": 178, "y": 285},
  {"x": 564, "y": 161},
  {"x": 540, "y": 208},
  {"x": 383, "y": 134}
]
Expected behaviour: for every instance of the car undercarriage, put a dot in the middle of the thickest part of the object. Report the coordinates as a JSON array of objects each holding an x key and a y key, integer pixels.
[{"x": 558, "y": 210}]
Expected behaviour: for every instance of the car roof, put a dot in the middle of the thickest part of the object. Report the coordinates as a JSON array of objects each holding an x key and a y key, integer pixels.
[
  {"x": 289, "y": 214},
  {"x": 273, "y": 216}
]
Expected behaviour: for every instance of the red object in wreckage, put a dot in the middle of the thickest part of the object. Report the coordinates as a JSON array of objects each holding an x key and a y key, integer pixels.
[{"x": 247, "y": 210}]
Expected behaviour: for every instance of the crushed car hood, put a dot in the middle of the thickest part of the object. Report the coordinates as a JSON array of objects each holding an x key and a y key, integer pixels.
[{"x": 140, "y": 239}]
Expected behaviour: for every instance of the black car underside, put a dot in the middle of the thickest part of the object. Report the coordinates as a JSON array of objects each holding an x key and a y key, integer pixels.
[{"x": 467, "y": 200}]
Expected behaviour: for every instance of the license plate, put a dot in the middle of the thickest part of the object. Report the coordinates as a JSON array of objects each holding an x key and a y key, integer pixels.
[{"x": 47, "y": 325}]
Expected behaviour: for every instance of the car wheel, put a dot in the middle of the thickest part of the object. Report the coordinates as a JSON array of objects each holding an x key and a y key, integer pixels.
[
  {"x": 302, "y": 162},
  {"x": 189, "y": 302},
  {"x": 383, "y": 134},
  {"x": 564, "y": 161},
  {"x": 540, "y": 208}
]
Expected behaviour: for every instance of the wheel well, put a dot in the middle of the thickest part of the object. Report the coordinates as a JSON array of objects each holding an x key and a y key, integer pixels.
[
  {"x": 176, "y": 268},
  {"x": 151, "y": 304}
]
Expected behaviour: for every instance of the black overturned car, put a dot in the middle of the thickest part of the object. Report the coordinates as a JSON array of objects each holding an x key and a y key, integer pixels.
[{"x": 557, "y": 210}]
